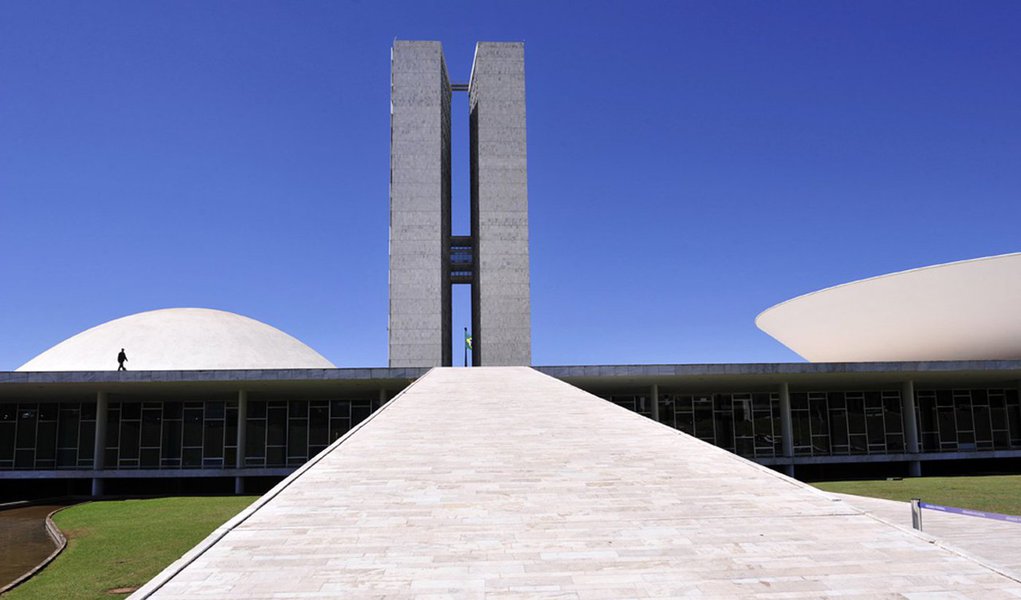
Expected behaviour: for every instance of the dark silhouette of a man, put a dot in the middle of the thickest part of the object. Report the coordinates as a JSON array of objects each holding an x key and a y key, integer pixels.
[{"x": 121, "y": 359}]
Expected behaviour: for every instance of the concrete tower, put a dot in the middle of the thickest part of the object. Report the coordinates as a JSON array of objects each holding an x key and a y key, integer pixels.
[{"x": 425, "y": 259}]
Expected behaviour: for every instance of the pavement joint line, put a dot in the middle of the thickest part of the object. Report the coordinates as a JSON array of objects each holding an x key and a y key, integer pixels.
[{"x": 153, "y": 585}]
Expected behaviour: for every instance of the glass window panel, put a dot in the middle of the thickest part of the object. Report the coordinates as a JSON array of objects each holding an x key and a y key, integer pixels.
[
  {"x": 192, "y": 427},
  {"x": 67, "y": 457},
  {"x": 979, "y": 398},
  {"x": 214, "y": 410},
  {"x": 859, "y": 444},
  {"x": 983, "y": 426},
  {"x": 874, "y": 423},
  {"x": 151, "y": 428},
  {"x": 894, "y": 443},
  {"x": 802, "y": 432},
  {"x": 129, "y": 440},
  {"x": 113, "y": 428},
  {"x": 725, "y": 430},
  {"x": 88, "y": 411},
  {"x": 214, "y": 439},
  {"x": 6, "y": 440},
  {"x": 67, "y": 431},
  {"x": 172, "y": 410},
  {"x": 131, "y": 411},
  {"x": 838, "y": 427},
  {"x": 86, "y": 440},
  {"x": 855, "y": 415},
  {"x": 299, "y": 408},
  {"x": 965, "y": 420},
  {"x": 256, "y": 409},
  {"x": 172, "y": 439},
  {"x": 230, "y": 457},
  {"x": 46, "y": 440},
  {"x": 150, "y": 458},
  {"x": 820, "y": 445},
  {"x": 230, "y": 432},
  {"x": 255, "y": 438},
  {"x": 319, "y": 426},
  {"x": 28, "y": 414},
  {"x": 276, "y": 426},
  {"x": 191, "y": 458},
  {"x": 275, "y": 456},
  {"x": 24, "y": 459},
  {"x": 340, "y": 409},
  {"x": 48, "y": 412},
  {"x": 947, "y": 427}
]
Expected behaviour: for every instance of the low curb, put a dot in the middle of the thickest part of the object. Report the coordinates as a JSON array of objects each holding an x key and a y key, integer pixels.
[{"x": 59, "y": 540}]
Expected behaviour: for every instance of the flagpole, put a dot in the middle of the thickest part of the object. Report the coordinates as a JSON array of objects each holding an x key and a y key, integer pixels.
[{"x": 466, "y": 346}]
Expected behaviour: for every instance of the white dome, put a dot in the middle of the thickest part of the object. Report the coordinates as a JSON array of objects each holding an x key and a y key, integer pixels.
[
  {"x": 966, "y": 310},
  {"x": 179, "y": 339}
]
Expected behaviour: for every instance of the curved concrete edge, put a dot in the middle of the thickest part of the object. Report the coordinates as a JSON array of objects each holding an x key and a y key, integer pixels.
[
  {"x": 938, "y": 542},
  {"x": 59, "y": 540},
  {"x": 157, "y": 582}
]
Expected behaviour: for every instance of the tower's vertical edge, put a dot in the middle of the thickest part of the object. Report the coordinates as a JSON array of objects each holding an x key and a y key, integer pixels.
[
  {"x": 501, "y": 311},
  {"x": 419, "y": 327}
]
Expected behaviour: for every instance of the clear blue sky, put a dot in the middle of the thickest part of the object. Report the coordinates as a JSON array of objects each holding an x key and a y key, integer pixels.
[{"x": 690, "y": 163}]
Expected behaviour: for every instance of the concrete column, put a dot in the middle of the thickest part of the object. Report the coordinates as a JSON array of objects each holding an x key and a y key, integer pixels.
[
  {"x": 383, "y": 398},
  {"x": 786, "y": 427},
  {"x": 654, "y": 398},
  {"x": 239, "y": 481},
  {"x": 907, "y": 402},
  {"x": 99, "y": 443}
]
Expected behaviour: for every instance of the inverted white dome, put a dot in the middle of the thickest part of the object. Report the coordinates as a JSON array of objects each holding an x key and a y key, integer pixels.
[
  {"x": 967, "y": 310},
  {"x": 179, "y": 339}
]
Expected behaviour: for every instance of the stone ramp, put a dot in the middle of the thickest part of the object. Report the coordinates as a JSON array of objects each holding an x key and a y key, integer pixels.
[
  {"x": 995, "y": 542},
  {"x": 506, "y": 483}
]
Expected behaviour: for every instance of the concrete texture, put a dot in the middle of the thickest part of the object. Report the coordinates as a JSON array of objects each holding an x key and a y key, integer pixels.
[
  {"x": 180, "y": 339},
  {"x": 501, "y": 313},
  {"x": 419, "y": 322},
  {"x": 506, "y": 483}
]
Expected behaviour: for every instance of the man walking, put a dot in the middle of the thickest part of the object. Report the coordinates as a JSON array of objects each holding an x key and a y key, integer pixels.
[{"x": 121, "y": 359}]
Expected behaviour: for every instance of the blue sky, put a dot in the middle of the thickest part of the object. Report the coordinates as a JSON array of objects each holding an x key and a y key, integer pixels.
[{"x": 690, "y": 163}]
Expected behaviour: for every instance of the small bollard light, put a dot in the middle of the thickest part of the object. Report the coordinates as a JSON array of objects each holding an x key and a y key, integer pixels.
[{"x": 916, "y": 513}]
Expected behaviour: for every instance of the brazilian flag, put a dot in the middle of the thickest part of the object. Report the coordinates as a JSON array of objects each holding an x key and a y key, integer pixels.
[{"x": 467, "y": 340}]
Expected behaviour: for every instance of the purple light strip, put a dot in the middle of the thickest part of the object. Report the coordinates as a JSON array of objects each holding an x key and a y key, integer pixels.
[{"x": 971, "y": 513}]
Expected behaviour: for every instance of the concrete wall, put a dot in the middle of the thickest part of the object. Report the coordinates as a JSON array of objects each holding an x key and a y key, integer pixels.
[
  {"x": 419, "y": 324},
  {"x": 501, "y": 312}
]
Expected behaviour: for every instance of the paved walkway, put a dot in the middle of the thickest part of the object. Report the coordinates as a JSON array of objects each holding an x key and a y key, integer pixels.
[
  {"x": 506, "y": 483},
  {"x": 995, "y": 542}
]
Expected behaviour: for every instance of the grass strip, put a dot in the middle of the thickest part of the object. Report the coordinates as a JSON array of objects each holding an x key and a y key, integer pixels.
[
  {"x": 992, "y": 493},
  {"x": 116, "y": 546}
]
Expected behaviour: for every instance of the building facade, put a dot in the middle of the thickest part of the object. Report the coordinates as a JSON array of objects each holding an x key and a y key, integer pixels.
[
  {"x": 426, "y": 259},
  {"x": 129, "y": 432}
]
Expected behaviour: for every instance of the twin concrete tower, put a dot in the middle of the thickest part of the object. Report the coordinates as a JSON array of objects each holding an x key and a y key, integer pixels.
[{"x": 425, "y": 258}]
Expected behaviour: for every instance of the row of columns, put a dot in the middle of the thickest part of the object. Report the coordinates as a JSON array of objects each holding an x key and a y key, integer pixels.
[
  {"x": 99, "y": 448},
  {"x": 907, "y": 396}
]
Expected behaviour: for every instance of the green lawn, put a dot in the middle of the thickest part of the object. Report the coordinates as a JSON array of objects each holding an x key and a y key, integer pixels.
[
  {"x": 124, "y": 543},
  {"x": 1000, "y": 494}
]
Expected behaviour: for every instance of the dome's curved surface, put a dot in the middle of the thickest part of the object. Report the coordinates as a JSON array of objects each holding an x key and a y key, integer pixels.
[
  {"x": 967, "y": 310},
  {"x": 179, "y": 339}
]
